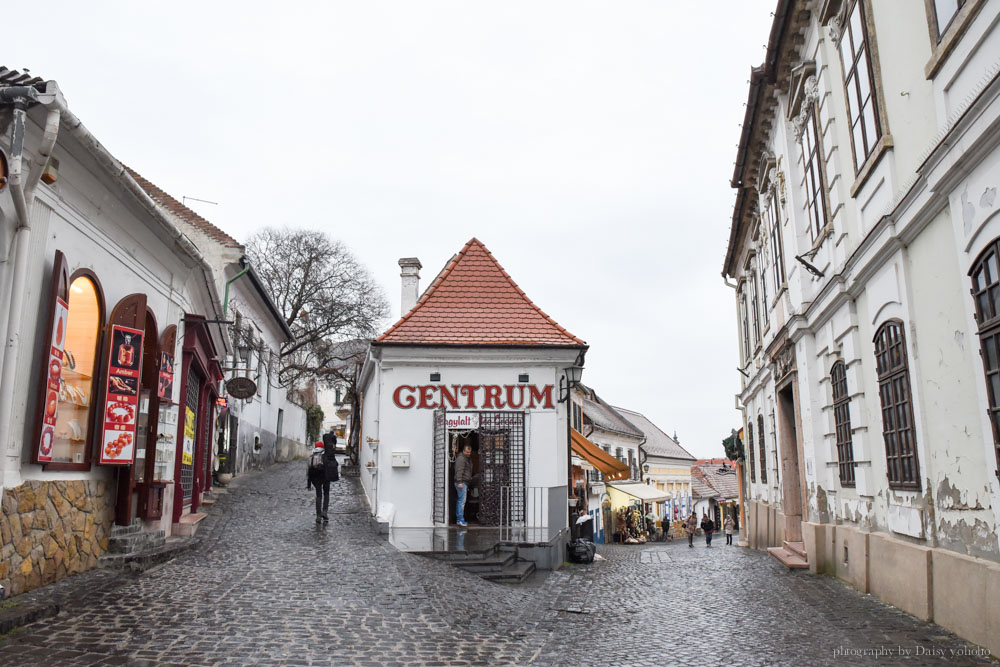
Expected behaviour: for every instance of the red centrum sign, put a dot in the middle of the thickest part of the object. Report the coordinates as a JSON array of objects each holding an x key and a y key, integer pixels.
[{"x": 474, "y": 396}]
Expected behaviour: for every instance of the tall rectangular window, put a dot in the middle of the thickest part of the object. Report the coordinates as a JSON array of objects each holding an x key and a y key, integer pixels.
[
  {"x": 985, "y": 276},
  {"x": 815, "y": 185},
  {"x": 745, "y": 315},
  {"x": 898, "y": 429},
  {"x": 842, "y": 422},
  {"x": 944, "y": 14},
  {"x": 861, "y": 108},
  {"x": 763, "y": 451},
  {"x": 749, "y": 450},
  {"x": 755, "y": 309},
  {"x": 762, "y": 276},
  {"x": 777, "y": 259}
]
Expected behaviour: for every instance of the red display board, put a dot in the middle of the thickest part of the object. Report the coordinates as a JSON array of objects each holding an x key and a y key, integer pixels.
[
  {"x": 121, "y": 401},
  {"x": 51, "y": 409}
]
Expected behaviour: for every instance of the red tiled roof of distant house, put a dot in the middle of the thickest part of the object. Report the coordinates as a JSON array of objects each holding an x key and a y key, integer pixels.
[
  {"x": 183, "y": 212},
  {"x": 473, "y": 301}
]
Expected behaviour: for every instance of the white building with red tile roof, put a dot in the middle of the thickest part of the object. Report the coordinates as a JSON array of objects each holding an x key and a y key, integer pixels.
[{"x": 473, "y": 361}]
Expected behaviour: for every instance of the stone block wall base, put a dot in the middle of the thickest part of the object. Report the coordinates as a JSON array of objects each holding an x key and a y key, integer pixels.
[
  {"x": 958, "y": 592},
  {"x": 52, "y": 529}
]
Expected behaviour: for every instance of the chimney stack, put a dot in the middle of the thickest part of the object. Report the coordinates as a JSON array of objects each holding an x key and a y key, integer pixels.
[{"x": 410, "y": 273}]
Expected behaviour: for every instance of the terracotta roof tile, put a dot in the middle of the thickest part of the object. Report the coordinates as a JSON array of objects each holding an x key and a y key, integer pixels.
[
  {"x": 473, "y": 301},
  {"x": 183, "y": 212}
]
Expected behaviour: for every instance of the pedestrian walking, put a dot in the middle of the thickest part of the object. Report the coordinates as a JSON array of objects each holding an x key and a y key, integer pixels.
[
  {"x": 323, "y": 469},
  {"x": 463, "y": 475},
  {"x": 691, "y": 526},
  {"x": 708, "y": 526},
  {"x": 730, "y": 526}
]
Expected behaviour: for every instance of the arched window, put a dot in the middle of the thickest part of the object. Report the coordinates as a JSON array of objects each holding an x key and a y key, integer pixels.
[
  {"x": 985, "y": 276},
  {"x": 898, "y": 430},
  {"x": 842, "y": 422},
  {"x": 763, "y": 452},
  {"x": 753, "y": 468}
]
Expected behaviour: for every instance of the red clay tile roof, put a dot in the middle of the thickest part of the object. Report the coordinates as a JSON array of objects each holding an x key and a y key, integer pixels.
[
  {"x": 183, "y": 212},
  {"x": 473, "y": 301}
]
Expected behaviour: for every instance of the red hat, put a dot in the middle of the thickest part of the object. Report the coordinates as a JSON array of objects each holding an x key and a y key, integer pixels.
[{"x": 319, "y": 443}]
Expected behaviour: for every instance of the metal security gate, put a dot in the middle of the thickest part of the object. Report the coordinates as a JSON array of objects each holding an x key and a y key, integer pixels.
[
  {"x": 501, "y": 461},
  {"x": 440, "y": 466}
]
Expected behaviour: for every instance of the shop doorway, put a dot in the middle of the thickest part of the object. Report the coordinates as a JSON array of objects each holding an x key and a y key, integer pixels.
[{"x": 497, "y": 496}]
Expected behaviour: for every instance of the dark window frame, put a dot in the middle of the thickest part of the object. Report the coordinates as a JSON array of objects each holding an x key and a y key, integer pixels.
[
  {"x": 842, "y": 423},
  {"x": 985, "y": 278},
  {"x": 777, "y": 257},
  {"x": 859, "y": 56},
  {"x": 899, "y": 433},
  {"x": 814, "y": 176},
  {"x": 753, "y": 467},
  {"x": 763, "y": 449}
]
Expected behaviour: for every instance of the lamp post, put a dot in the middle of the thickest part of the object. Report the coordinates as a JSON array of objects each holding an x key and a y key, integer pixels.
[{"x": 567, "y": 381}]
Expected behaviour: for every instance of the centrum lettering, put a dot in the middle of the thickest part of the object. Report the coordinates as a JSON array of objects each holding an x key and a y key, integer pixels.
[
  {"x": 510, "y": 395},
  {"x": 469, "y": 391},
  {"x": 450, "y": 395},
  {"x": 426, "y": 395},
  {"x": 469, "y": 396},
  {"x": 492, "y": 397},
  {"x": 407, "y": 402},
  {"x": 536, "y": 396}
]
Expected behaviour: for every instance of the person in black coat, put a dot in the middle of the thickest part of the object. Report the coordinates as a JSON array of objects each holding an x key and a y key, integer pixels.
[{"x": 319, "y": 477}]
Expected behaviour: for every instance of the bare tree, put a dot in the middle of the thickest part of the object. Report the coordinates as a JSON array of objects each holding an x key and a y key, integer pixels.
[{"x": 326, "y": 296}]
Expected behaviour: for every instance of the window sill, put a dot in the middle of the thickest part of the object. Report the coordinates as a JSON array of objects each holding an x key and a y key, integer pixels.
[
  {"x": 826, "y": 232},
  {"x": 884, "y": 144},
  {"x": 63, "y": 466},
  {"x": 905, "y": 486},
  {"x": 952, "y": 36}
]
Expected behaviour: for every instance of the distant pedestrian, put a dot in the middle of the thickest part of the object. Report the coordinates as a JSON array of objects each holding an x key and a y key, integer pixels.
[
  {"x": 708, "y": 526},
  {"x": 730, "y": 526},
  {"x": 463, "y": 475},
  {"x": 691, "y": 526},
  {"x": 666, "y": 527},
  {"x": 323, "y": 469}
]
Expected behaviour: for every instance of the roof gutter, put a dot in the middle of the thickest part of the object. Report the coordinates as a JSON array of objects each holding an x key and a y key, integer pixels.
[{"x": 266, "y": 297}]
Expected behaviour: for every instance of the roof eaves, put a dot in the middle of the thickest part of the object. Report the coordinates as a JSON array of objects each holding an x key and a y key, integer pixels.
[{"x": 266, "y": 297}]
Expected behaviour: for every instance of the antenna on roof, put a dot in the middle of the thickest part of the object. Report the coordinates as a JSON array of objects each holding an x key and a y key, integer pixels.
[{"x": 203, "y": 201}]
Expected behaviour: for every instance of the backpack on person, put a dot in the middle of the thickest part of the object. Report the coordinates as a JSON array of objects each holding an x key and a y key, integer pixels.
[{"x": 316, "y": 461}]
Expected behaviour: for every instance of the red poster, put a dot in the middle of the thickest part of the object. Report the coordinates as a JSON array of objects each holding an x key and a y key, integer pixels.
[
  {"x": 56, "y": 345},
  {"x": 122, "y": 402}
]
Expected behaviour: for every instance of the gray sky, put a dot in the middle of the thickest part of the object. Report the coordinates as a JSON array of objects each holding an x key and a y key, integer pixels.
[{"x": 589, "y": 145}]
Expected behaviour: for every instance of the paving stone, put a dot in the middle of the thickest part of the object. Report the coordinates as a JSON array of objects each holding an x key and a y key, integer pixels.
[{"x": 266, "y": 585}]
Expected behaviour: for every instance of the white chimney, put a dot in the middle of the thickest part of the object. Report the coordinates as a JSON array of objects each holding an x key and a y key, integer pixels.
[{"x": 410, "y": 273}]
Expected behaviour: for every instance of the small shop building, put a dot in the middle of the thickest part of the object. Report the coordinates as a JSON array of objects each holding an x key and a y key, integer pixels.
[
  {"x": 473, "y": 361},
  {"x": 111, "y": 365}
]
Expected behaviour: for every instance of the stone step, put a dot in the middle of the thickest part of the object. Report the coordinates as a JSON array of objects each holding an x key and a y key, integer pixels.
[
  {"x": 789, "y": 559},
  {"x": 143, "y": 560},
  {"x": 208, "y": 502},
  {"x": 188, "y": 524},
  {"x": 514, "y": 573},
  {"x": 131, "y": 529},
  {"x": 493, "y": 563},
  {"x": 796, "y": 547},
  {"x": 135, "y": 542},
  {"x": 461, "y": 556}
]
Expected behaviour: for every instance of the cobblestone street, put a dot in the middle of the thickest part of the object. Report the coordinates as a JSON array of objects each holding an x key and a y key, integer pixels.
[{"x": 269, "y": 586}]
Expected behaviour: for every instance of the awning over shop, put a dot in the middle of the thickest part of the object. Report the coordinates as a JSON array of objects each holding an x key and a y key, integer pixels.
[
  {"x": 643, "y": 492},
  {"x": 609, "y": 466}
]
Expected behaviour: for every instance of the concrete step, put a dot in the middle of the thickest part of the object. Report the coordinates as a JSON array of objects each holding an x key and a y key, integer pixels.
[
  {"x": 514, "y": 573},
  {"x": 188, "y": 524},
  {"x": 796, "y": 547},
  {"x": 493, "y": 563},
  {"x": 789, "y": 559},
  {"x": 456, "y": 557}
]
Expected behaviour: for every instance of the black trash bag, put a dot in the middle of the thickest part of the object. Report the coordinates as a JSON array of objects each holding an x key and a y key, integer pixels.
[{"x": 582, "y": 551}]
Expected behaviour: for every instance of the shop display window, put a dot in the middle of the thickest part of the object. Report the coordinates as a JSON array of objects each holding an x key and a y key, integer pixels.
[{"x": 76, "y": 381}]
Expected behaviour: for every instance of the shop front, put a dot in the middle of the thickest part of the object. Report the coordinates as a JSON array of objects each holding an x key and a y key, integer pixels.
[
  {"x": 473, "y": 363},
  {"x": 630, "y": 502}
]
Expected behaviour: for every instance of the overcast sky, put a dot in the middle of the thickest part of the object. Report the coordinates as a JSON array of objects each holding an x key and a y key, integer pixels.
[{"x": 589, "y": 145}]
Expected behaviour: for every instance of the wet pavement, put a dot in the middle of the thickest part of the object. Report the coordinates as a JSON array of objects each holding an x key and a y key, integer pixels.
[{"x": 269, "y": 586}]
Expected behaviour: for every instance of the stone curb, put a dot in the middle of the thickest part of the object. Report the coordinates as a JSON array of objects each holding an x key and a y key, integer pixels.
[{"x": 23, "y": 614}]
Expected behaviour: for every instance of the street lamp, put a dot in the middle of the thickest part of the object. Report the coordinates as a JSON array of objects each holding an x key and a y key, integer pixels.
[{"x": 570, "y": 378}]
